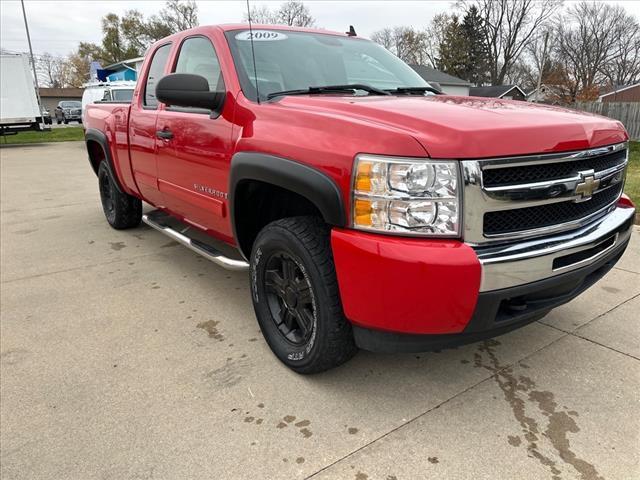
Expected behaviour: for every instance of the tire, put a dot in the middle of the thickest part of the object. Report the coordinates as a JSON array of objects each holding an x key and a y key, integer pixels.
[
  {"x": 58, "y": 121},
  {"x": 121, "y": 210},
  {"x": 66, "y": 122},
  {"x": 296, "y": 298},
  {"x": 80, "y": 122}
]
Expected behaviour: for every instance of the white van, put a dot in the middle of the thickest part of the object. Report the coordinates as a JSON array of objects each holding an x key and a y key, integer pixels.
[{"x": 120, "y": 91}]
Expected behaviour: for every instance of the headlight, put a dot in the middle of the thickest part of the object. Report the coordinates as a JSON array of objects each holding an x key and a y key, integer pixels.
[{"x": 406, "y": 195}]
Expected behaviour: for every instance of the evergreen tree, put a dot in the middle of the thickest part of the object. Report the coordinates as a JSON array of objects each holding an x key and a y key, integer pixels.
[
  {"x": 476, "y": 68},
  {"x": 453, "y": 49}
]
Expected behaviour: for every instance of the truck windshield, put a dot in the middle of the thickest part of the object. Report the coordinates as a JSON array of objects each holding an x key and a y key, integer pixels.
[
  {"x": 70, "y": 104},
  {"x": 290, "y": 60}
]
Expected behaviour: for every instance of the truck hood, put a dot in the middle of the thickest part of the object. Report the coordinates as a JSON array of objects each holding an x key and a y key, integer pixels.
[{"x": 471, "y": 127}]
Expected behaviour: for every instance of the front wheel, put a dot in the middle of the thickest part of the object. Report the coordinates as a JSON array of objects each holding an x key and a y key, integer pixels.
[
  {"x": 121, "y": 210},
  {"x": 296, "y": 297}
]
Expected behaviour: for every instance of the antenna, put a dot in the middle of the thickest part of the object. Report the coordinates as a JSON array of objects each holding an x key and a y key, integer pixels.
[{"x": 253, "y": 52}]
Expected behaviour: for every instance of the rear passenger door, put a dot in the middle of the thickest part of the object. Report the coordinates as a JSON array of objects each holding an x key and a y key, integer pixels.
[
  {"x": 143, "y": 142},
  {"x": 193, "y": 163}
]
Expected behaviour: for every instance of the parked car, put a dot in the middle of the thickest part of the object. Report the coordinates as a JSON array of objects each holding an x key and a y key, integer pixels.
[
  {"x": 370, "y": 211},
  {"x": 68, "y": 111}
]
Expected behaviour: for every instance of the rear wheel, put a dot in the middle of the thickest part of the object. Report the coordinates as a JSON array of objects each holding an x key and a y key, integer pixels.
[
  {"x": 121, "y": 210},
  {"x": 296, "y": 298}
]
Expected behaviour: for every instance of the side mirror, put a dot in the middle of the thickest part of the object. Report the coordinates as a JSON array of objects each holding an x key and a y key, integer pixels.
[{"x": 188, "y": 90}]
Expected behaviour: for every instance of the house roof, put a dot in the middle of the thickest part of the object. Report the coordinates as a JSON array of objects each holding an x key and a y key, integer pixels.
[
  {"x": 619, "y": 89},
  {"x": 433, "y": 75},
  {"x": 61, "y": 92},
  {"x": 497, "y": 91},
  {"x": 124, "y": 63}
]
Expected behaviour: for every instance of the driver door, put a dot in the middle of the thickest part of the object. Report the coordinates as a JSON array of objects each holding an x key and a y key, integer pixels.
[{"x": 195, "y": 150}]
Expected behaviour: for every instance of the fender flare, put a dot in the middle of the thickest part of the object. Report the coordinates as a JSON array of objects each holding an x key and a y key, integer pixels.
[
  {"x": 92, "y": 134},
  {"x": 306, "y": 181}
]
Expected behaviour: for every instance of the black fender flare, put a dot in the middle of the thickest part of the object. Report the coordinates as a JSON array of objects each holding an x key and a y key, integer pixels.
[
  {"x": 306, "y": 181},
  {"x": 94, "y": 135}
]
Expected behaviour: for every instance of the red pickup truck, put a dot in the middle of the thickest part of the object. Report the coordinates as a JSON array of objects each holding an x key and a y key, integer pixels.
[{"x": 371, "y": 210}]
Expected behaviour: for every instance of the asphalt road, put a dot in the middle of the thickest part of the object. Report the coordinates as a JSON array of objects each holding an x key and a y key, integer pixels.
[{"x": 126, "y": 356}]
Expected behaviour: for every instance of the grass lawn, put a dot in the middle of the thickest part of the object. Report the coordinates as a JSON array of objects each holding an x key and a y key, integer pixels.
[
  {"x": 632, "y": 186},
  {"x": 67, "y": 134}
]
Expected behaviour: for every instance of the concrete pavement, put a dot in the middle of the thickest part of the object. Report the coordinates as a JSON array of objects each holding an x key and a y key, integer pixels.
[{"x": 126, "y": 356}]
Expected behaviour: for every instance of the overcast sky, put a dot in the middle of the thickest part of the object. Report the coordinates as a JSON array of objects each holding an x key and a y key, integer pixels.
[{"x": 58, "y": 26}]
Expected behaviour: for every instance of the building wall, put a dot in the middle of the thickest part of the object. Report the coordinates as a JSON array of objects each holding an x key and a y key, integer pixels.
[
  {"x": 629, "y": 95},
  {"x": 49, "y": 97},
  {"x": 459, "y": 90}
]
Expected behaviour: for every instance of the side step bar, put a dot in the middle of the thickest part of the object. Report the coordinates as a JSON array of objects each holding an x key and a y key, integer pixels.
[{"x": 160, "y": 221}]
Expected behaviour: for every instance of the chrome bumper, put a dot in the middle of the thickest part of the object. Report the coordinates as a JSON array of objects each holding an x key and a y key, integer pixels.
[{"x": 528, "y": 261}]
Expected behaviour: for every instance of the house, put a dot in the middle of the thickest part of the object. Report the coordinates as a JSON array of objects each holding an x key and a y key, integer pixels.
[
  {"x": 548, "y": 94},
  {"x": 50, "y": 97},
  {"x": 125, "y": 70},
  {"x": 507, "y": 92},
  {"x": 448, "y": 83},
  {"x": 628, "y": 93}
]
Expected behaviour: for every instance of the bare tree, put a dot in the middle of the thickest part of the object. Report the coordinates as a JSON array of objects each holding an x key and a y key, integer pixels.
[
  {"x": 261, "y": 14},
  {"x": 180, "y": 15},
  {"x": 508, "y": 26},
  {"x": 624, "y": 65},
  {"x": 292, "y": 13},
  {"x": 406, "y": 43},
  {"x": 588, "y": 45},
  {"x": 52, "y": 71},
  {"x": 295, "y": 14}
]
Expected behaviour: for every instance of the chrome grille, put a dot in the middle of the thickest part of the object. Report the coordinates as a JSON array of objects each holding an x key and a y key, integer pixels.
[{"x": 524, "y": 197}]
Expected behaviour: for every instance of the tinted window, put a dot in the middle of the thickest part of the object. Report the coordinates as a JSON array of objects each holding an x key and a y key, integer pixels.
[
  {"x": 122, "y": 95},
  {"x": 156, "y": 72},
  {"x": 70, "y": 104},
  {"x": 198, "y": 57}
]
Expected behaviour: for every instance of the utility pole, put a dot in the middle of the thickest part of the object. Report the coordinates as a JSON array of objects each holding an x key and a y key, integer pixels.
[
  {"x": 33, "y": 63},
  {"x": 544, "y": 59}
]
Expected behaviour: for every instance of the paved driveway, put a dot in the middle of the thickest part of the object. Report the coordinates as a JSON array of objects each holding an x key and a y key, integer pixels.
[{"x": 126, "y": 356}]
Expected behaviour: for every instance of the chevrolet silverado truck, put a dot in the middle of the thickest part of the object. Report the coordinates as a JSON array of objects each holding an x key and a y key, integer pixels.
[{"x": 370, "y": 211}]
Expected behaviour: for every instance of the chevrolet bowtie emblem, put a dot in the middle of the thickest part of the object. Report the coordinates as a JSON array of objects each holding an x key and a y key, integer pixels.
[{"x": 587, "y": 185}]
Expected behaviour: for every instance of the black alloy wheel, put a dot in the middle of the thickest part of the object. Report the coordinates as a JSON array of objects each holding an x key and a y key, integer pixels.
[{"x": 290, "y": 298}]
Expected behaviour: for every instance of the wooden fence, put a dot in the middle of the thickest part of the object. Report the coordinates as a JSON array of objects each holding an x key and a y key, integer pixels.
[{"x": 627, "y": 112}]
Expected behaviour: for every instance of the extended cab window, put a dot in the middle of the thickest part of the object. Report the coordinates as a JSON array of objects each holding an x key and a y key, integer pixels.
[
  {"x": 156, "y": 72},
  {"x": 197, "y": 56}
]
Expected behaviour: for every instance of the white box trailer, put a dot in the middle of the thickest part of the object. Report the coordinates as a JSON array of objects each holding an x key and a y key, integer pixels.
[{"x": 19, "y": 109}]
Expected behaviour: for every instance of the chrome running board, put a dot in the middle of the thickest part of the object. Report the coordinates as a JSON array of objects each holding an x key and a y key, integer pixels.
[{"x": 166, "y": 224}]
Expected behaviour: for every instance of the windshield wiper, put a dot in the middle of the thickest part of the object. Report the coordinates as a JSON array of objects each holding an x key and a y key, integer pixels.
[
  {"x": 330, "y": 89},
  {"x": 413, "y": 90}
]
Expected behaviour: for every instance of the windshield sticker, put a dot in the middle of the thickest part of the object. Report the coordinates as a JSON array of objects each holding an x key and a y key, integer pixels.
[{"x": 261, "y": 35}]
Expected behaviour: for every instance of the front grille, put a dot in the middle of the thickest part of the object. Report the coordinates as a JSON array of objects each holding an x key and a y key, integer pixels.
[
  {"x": 501, "y": 205},
  {"x": 508, "y": 221},
  {"x": 496, "y": 177}
]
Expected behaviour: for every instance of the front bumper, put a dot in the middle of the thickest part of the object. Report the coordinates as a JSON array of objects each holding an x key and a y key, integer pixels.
[{"x": 416, "y": 295}]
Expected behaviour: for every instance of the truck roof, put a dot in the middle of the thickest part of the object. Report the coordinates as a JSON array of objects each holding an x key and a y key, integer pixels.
[{"x": 258, "y": 26}]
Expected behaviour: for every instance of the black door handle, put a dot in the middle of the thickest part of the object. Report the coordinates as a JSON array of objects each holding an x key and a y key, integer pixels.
[{"x": 164, "y": 134}]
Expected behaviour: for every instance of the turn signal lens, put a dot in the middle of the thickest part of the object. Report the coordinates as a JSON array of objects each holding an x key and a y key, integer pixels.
[{"x": 363, "y": 177}]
